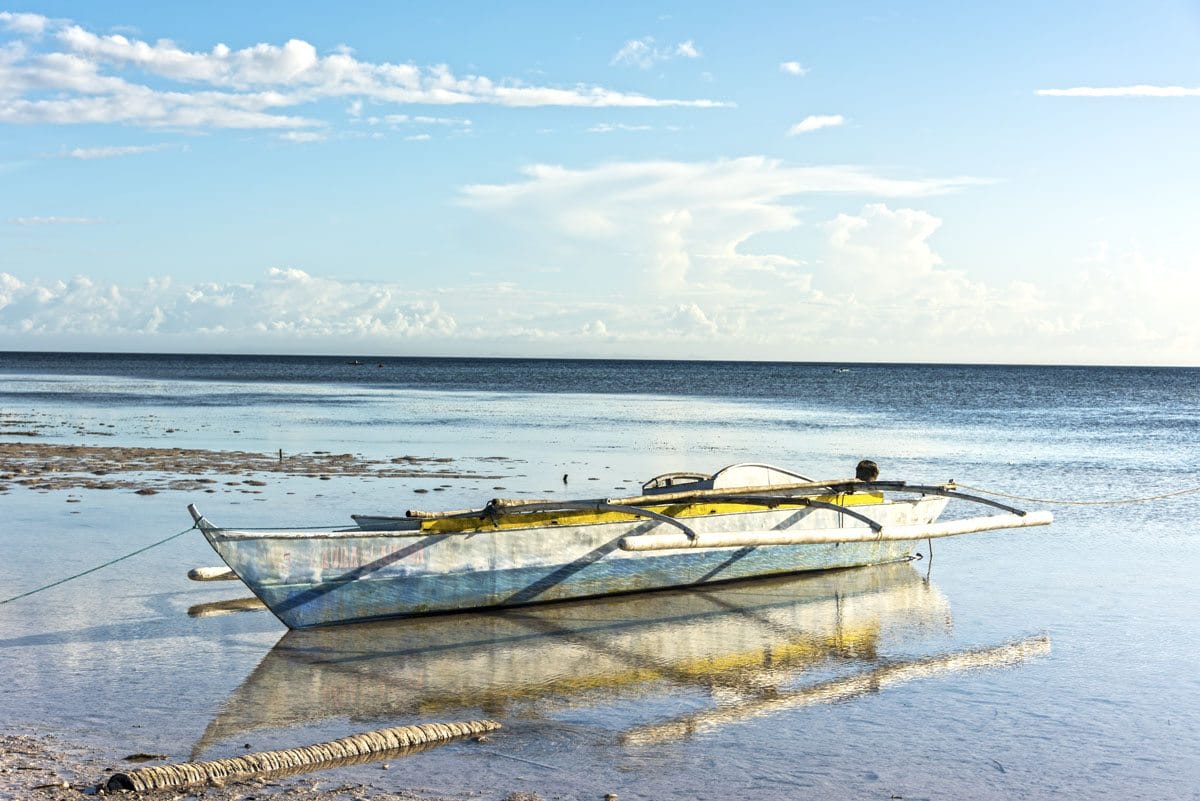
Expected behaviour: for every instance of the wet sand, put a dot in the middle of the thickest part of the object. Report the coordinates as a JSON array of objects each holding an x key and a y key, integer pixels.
[
  {"x": 46, "y": 466},
  {"x": 42, "y": 768},
  {"x": 39, "y": 766}
]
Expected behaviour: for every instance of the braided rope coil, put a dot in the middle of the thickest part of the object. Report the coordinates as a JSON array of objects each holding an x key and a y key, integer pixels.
[{"x": 354, "y": 749}]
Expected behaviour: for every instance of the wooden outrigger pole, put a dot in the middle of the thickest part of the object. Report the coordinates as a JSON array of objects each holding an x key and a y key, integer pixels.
[
  {"x": 829, "y": 536},
  {"x": 771, "y": 495}
]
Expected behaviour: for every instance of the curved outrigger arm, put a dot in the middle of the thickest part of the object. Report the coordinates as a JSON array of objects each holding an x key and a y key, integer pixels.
[
  {"x": 1015, "y": 518},
  {"x": 945, "y": 490}
]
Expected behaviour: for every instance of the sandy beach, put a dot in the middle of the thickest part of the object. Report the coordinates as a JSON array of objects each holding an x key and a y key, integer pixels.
[{"x": 44, "y": 768}]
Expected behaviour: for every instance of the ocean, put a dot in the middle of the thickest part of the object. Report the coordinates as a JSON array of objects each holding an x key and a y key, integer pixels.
[{"x": 873, "y": 683}]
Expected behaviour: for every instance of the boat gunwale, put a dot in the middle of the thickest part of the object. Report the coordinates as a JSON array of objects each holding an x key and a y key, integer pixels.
[{"x": 792, "y": 503}]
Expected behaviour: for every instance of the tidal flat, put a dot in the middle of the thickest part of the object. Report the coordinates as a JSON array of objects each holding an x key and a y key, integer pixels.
[{"x": 1028, "y": 664}]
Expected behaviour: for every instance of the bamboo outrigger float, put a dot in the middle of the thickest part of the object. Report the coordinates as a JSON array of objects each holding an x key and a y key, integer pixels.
[{"x": 684, "y": 529}]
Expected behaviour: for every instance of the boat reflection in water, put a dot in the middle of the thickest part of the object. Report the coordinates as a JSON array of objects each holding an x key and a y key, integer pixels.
[{"x": 744, "y": 643}]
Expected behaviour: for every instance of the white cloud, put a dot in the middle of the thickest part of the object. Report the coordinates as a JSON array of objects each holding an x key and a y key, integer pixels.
[
  {"x": 882, "y": 266},
  {"x": 420, "y": 119},
  {"x": 410, "y": 122},
  {"x": 610, "y": 127},
  {"x": 874, "y": 289},
  {"x": 690, "y": 320},
  {"x": 90, "y": 153},
  {"x": 675, "y": 243},
  {"x": 644, "y": 53},
  {"x": 1139, "y": 90},
  {"x": 55, "y": 221},
  {"x": 77, "y": 76},
  {"x": 288, "y": 304},
  {"x": 1118, "y": 297},
  {"x": 687, "y": 49},
  {"x": 793, "y": 68},
  {"x": 815, "y": 122},
  {"x": 636, "y": 53},
  {"x": 302, "y": 137},
  {"x": 595, "y": 329},
  {"x": 749, "y": 176},
  {"x": 883, "y": 253},
  {"x": 24, "y": 23},
  {"x": 677, "y": 226}
]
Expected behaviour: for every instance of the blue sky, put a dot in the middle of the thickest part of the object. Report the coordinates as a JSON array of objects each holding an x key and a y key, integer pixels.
[{"x": 849, "y": 182}]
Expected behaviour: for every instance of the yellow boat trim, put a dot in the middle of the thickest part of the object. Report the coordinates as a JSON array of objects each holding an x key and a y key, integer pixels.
[{"x": 585, "y": 517}]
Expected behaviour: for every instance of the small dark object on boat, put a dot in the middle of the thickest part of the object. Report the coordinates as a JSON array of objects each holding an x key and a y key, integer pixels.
[{"x": 866, "y": 470}]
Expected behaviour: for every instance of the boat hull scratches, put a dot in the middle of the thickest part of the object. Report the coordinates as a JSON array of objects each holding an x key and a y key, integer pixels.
[
  {"x": 326, "y": 603},
  {"x": 322, "y": 582},
  {"x": 423, "y": 610}
]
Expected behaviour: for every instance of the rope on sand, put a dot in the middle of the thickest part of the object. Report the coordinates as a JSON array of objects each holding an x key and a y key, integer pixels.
[{"x": 347, "y": 750}]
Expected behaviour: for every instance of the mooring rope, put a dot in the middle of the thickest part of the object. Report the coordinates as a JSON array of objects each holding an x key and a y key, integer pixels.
[
  {"x": 1079, "y": 503},
  {"x": 358, "y": 748},
  {"x": 97, "y": 567}
]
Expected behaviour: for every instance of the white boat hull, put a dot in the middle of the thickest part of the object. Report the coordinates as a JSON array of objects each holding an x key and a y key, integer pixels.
[{"x": 313, "y": 579}]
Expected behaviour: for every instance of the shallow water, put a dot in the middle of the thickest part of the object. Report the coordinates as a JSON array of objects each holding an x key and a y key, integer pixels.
[{"x": 869, "y": 683}]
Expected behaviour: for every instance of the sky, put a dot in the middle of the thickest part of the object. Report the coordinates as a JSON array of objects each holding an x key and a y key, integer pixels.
[{"x": 848, "y": 182}]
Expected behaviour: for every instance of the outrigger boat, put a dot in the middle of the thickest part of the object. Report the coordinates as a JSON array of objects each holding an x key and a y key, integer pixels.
[{"x": 685, "y": 529}]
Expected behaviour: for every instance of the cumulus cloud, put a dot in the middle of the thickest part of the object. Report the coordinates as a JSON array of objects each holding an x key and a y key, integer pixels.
[
  {"x": 595, "y": 329},
  {"x": 644, "y": 53},
  {"x": 24, "y": 23},
  {"x": 816, "y": 122},
  {"x": 1138, "y": 90},
  {"x": 793, "y": 68},
  {"x": 1117, "y": 297},
  {"x": 59, "y": 72},
  {"x": 681, "y": 244},
  {"x": 286, "y": 304},
  {"x": 691, "y": 321},
  {"x": 882, "y": 255},
  {"x": 874, "y": 288},
  {"x": 882, "y": 268},
  {"x": 684, "y": 230}
]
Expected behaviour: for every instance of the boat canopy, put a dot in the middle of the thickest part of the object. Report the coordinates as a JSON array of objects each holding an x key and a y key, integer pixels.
[{"x": 743, "y": 474}]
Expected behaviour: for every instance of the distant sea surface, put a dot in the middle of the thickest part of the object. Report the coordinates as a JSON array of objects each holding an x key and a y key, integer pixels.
[
  {"x": 970, "y": 386},
  {"x": 691, "y": 695}
]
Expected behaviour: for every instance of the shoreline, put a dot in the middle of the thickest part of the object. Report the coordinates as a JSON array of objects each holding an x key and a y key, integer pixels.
[{"x": 41, "y": 767}]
